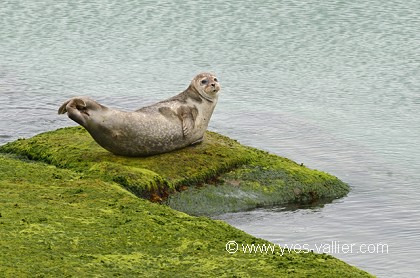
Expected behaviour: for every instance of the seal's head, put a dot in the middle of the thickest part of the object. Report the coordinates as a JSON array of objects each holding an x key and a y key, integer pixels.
[{"x": 206, "y": 85}]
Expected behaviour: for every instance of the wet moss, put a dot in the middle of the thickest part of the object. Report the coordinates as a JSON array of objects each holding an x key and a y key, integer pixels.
[
  {"x": 217, "y": 176},
  {"x": 67, "y": 222}
]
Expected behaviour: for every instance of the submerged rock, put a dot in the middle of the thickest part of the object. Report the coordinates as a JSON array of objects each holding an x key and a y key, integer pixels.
[{"x": 217, "y": 176}]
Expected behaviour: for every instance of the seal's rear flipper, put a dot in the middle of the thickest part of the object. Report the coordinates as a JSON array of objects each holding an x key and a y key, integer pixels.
[
  {"x": 76, "y": 110},
  {"x": 75, "y": 103},
  {"x": 62, "y": 109}
]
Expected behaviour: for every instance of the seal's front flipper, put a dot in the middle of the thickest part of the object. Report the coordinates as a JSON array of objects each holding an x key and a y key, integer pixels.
[
  {"x": 187, "y": 115},
  {"x": 187, "y": 126}
]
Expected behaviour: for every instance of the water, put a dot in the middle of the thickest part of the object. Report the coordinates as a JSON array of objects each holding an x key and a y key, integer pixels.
[{"x": 332, "y": 84}]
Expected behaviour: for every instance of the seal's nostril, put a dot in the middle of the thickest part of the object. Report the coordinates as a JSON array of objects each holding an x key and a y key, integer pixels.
[{"x": 212, "y": 84}]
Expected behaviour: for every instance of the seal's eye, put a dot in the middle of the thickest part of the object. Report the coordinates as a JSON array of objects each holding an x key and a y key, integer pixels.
[
  {"x": 204, "y": 82},
  {"x": 215, "y": 80}
]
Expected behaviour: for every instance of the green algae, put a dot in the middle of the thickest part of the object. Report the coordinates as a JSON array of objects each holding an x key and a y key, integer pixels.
[
  {"x": 217, "y": 176},
  {"x": 63, "y": 222}
]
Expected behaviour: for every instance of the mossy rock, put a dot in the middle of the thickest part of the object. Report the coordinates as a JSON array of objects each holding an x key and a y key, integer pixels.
[
  {"x": 216, "y": 176},
  {"x": 66, "y": 223},
  {"x": 264, "y": 181}
]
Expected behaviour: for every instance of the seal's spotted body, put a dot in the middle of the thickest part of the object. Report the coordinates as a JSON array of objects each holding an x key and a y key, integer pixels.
[{"x": 165, "y": 126}]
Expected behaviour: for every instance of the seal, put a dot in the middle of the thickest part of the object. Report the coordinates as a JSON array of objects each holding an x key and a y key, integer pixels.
[{"x": 168, "y": 125}]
